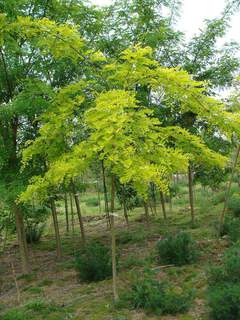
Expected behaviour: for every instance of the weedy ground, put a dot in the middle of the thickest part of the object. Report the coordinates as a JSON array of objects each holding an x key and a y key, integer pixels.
[{"x": 52, "y": 291}]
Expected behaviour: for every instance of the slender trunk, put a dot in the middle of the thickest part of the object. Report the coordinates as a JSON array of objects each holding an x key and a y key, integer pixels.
[
  {"x": 170, "y": 204},
  {"x": 190, "y": 189},
  {"x": 163, "y": 205},
  {"x": 154, "y": 199},
  {"x": 146, "y": 211},
  {"x": 99, "y": 199},
  {"x": 56, "y": 229},
  {"x": 124, "y": 206},
  {"x": 114, "y": 262},
  {"x": 66, "y": 212},
  {"x": 72, "y": 212},
  {"x": 227, "y": 195},
  {"x": 22, "y": 242},
  {"x": 151, "y": 207},
  {"x": 79, "y": 213},
  {"x": 112, "y": 193},
  {"x": 105, "y": 194}
]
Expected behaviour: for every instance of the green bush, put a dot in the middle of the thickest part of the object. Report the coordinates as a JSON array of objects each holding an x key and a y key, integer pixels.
[
  {"x": 224, "y": 287},
  {"x": 14, "y": 314},
  {"x": 131, "y": 236},
  {"x": 224, "y": 302},
  {"x": 177, "y": 249},
  {"x": 231, "y": 228},
  {"x": 234, "y": 204},
  {"x": 31, "y": 310},
  {"x": 157, "y": 297},
  {"x": 34, "y": 232},
  {"x": 92, "y": 202},
  {"x": 229, "y": 272},
  {"x": 94, "y": 263},
  {"x": 219, "y": 198}
]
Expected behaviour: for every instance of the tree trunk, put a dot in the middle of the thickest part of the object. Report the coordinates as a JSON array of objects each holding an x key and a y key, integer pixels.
[
  {"x": 163, "y": 205},
  {"x": 146, "y": 211},
  {"x": 72, "y": 212},
  {"x": 170, "y": 204},
  {"x": 112, "y": 193},
  {"x": 227, "y": 195},
  {"x": 124, "y": 206},
  {"x": 66, "y": 212},
  {"x": 190, "y": 189},
  {"x": 105, "y": 194},
  {"x": 99, "y": 199},
  {"x": 114, "y": 263},
  {"x": 79, "y": 213},
  {"x": 22, "y": 242},
  {"x": 56, "y": 229},
  {"x": 154, "y": 199}
]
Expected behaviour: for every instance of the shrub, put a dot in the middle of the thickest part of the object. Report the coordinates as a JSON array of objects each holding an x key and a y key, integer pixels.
[
  {"x": 234, "y": 204},
  {"x": 29, "y": 310},
  {"x": 229, "y": 272},
  {"x": 14, "y": 314},
  {"x": 92, "y": 202},
  {"x": 157, "y": 297},
  {"x": 177, "y": 249},
  {"x": 224, "y": 302},
  {"x": 131, "y": 236},
  {"x": 224, "y": 287},
  {"x": 219, "y": 198},
  {"x": 231, "y": 228},
  {"x": 94, "y": 263},
  {"x": 34, "y": 232}
]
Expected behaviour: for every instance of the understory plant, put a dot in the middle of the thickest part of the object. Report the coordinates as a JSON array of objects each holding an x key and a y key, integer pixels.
[
  {"x": 224, "y": 287},
  {"x": 93, "y": 263},
  {"x": 179, "y": 249},
  {"x": 158, "y": 297}
]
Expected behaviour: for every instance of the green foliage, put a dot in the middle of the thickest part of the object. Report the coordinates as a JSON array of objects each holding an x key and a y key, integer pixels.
[
  {"x": 126, "y": 193},
  {"x": 230, "y": 228},
  {"x": 34, "y": 232},
  {"x": 94, "y": 263},
  {"x": 33, "y": 309},
  {"x": 229, "y": 272},
  {"x": 157, "y": 297},
  {"x": 131, "y": 236},
  {"x": 233, "y": 204},
  {"x": 177, "y": 249},
  {"x": 224, "y": 302},
  {"x": 92, "y": 201},
  {"x": 219, "y": 198},
  {"x": 14, "y": 314},
  {"x": 224, "y": 288}
]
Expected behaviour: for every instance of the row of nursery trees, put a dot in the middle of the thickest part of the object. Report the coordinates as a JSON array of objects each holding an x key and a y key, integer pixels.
[{"x": 116, "y": 93}]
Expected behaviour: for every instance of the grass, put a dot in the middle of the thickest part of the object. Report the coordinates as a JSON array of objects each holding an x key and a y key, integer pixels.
[{"x": 53, "y": 291}]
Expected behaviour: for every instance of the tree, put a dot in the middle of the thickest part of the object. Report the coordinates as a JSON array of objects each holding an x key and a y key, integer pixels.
[{"x": 24, "y": 44}]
